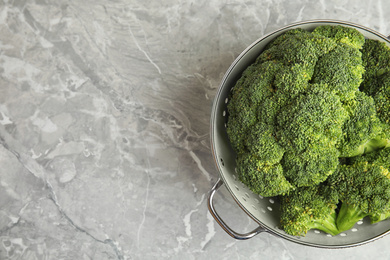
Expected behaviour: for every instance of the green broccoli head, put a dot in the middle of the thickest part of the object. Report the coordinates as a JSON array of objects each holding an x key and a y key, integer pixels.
[
  {"x": 261, "y": 142},
  {"x": 261, "y": 177},
  {"x": 341, "y": 70},
  {"x": 362, "y": 128},
  {"x": 289, "y": 49},
  {"x": 364, "y": 188},
  {"x": 380, "y": 157},
  {"x": 382, "y": 104},
  {"x": 308, "y": 129},
  {"x": 376, "y": 61},
  {"x": 309, "y": 100},
  {"x": 382, "y": 100},
  {"x": 252, "y": 89},
  {"x": 341, "y": 34},
  {"x": 311, "y": 166},
  {"x": 276, "y": 41},
  {"x": 241, "y": 112},
  {"x": 307, "y": 208},
  {"x": 314, "y": 117},
  {"x": 376, "y": 83}
]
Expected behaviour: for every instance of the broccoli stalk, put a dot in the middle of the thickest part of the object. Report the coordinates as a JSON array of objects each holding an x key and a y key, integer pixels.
[
  {"x": 375, "y": 218},
  {"x": 300, "y": 227},
  {"x": 309, "y": 208},
  {"x": 327, "y": 224},
  {"x": 370, "y": 146},
  {"x": 348, "y": 216},
  {"x": 364, "y": 188}
]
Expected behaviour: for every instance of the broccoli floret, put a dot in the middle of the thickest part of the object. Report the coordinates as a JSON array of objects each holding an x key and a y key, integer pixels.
[
  {"x": 379, "y": 157},
  {"x": 262, "y": 143},
  {"x": 311, "y": 166},
  {"x": 341, "y": 34},
  {"x": 289, "y": 50},
  {"x": 308, "y": 130},
  {"x": 363, "y": 187},
  {"x": 361, "y": 129},
  {"x": 376, "y": 61},
  {"x": 376, "y": 83},
  {"x": 262, "y": 177},
  {"x": 375, "y": 218},
  {"x": 382, "y": 99},
  {"x": 252, "y": 89},
  {"x": 382, "y": 104},
  {"x": 341, "y": 70},
  {"x": 317, "y": 116},
  {"x": 307, "y": 208},
  {"x": 282, "y": 37}
]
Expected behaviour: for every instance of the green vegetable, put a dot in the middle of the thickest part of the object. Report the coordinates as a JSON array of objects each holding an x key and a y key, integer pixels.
[
  {"x": 341, "y": 34},
  {"x": 261, "y": 177},
  {"x": 364, "y": 188},
  {"x": 341, "y": 70},
  {"x": 362, "y": 129},
  {"x": 306, "y": 208},
  {"x": 376, "y": 83},
  {"x": 313, "y": 109}
]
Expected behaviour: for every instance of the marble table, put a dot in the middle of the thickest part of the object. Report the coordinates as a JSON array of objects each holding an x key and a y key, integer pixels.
[{"x": 104, "y": 126}]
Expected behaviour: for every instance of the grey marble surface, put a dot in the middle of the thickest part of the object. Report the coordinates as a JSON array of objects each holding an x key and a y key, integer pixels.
[{"x": 104, "y": 126}]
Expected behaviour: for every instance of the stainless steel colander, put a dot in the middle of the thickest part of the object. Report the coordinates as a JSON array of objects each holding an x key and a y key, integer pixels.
[{"x": 265, "y": 211}]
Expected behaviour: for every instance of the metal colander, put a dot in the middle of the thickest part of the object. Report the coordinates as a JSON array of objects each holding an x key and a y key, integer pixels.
[{"x": 265, "y": 211}]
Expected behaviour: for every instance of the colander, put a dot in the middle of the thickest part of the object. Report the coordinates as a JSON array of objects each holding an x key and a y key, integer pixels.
[{"x": 265, "y": 211}]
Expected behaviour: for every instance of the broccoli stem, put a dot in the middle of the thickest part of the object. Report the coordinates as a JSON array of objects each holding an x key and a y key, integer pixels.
[
  {"x": 348, "y": 216},
  {"x": 327, "y": 225},
  {"x": 371, "y": 145},
  {"x": 379, "y": 217}
]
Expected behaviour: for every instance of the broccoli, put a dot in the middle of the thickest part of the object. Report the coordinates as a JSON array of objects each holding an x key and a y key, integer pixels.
[
  {"x": 308, "y": 129},
  {"x": 375, "y": 57},
  {"x": 358, "y": 189},
  {"x": 309, "y": 121},
  {"x": 361, "y": 128},
  {"x": 307, "y": 208},
  {"x": 262, "y": 177},
  {"x": 342, "y": 71},
  {"x": 341, "y": 68},
  {"x": 315, "y": 46},
  {"x": 314, "y": 117},
  {"x": 341, "y": 34},
  {"x": 281, "y": 113},
  {"x": 311, "y": 166},
  {"x": 243, "y": 106},
  {"x": 364, "y": 188},
  {"x": 376, "y": 83}
]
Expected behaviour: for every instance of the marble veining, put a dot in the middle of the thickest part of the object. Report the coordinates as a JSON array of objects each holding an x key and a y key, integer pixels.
[{"x": 104, "y": 126}]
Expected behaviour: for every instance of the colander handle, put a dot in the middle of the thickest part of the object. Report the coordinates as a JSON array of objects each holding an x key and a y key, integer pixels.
[{"x": 225, "y": 227}]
